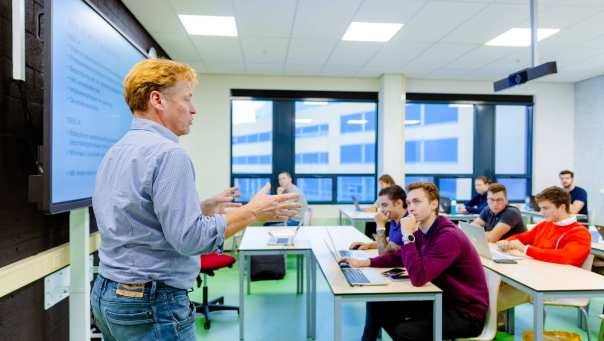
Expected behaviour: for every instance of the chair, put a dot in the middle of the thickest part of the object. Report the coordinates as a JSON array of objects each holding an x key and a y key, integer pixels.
[
  {"x": 581, "y": 303},
  {"x": 307, "y": 217},
  {"x": 490, "y": 324},
  {"x": 209, "y": 264}
]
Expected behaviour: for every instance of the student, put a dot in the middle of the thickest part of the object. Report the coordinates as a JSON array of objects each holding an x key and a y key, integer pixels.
[
  {"x": 428, "y": 255},
  {"x": 286, "y": 185},
  {"x": 393, "y": 204},
  {"x": 578, "y": 196},
  {"x": 479, "y": 201},
  {"x": 557, "y": 239},
  {"x": 370, "y": 228},
  {"x": 499, "y": 219}
]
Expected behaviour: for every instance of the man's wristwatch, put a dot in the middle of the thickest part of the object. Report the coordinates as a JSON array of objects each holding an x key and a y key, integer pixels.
[
  {"x": 380, "y": 229},
  {"x": 409, "y": 238}
]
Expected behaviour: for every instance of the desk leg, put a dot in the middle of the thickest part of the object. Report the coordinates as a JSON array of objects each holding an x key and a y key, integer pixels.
[
  {"x": 538, "y": 322},
  {"x": 301, "y": 259},
  {"x": 337, "y": 317},
  {"x": 249, "y": 275},
  {"x": 437, "y": 318},
  {"x": 308, "y": 297},
  {"x": 313, "y": 293},
  {"x": 241, "y": 295},
  {"x": 340, "y": 218}
]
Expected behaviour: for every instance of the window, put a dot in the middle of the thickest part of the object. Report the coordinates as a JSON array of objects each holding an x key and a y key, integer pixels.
[
  {"x": 440, "y": 142},
  {"x": 328, "y": 143},
  {"x": 249, "y": 186}
]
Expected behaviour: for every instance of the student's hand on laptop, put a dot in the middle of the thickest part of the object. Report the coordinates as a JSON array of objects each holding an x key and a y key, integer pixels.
[
  {"x": 359, "y": 246},
  {"x": 382, "y": 218},
  {"x": 517, "y": 245},
  {"x": 409, "y": 225},
  {"x": 355, "y": 263},
  {"x": 503, "y": 245},
  {"x": 462, "y": 209}
]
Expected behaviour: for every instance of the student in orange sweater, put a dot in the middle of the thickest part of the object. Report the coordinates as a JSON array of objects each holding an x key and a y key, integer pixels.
[{"x": 557, "y": 239}]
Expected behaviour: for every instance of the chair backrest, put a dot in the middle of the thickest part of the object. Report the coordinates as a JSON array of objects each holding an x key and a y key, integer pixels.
[
  {"x": 489, "y": 330},
  {"x": 589, "y": 261}
]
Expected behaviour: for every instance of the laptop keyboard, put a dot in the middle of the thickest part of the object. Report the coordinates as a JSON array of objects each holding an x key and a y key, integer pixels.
[
  {"x": 345, "y": 253},
  {"x": 282, "y": 240},
  {"x": 355, "y": 276}
]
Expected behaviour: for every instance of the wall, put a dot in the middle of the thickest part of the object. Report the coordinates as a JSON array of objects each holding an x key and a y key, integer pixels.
[
  {"x": 209, "y": 141},
  {"x": 589, "y": 145},
  {"x": 23, "y": 230}
]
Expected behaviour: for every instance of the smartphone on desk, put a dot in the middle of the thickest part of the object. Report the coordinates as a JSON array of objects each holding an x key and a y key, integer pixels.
[
  {"x": 399, "y": 277},
  {"x": 393, "y": 271},
  {"x": 505, "y": 261}
]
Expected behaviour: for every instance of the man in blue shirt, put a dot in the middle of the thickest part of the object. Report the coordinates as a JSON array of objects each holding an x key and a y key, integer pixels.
[
  {"x": 578, "y": 196},
  {"x": 393, "y": 208},
  {"x": 152, "y": 224},
  {"x": 479, "y": 201}
]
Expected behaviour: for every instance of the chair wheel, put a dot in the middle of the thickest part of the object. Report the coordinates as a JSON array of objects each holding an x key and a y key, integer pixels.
[{"x": 207, "y": 324}]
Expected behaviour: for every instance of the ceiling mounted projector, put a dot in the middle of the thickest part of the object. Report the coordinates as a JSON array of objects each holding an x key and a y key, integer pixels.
[{"x": 525, "y": 75}]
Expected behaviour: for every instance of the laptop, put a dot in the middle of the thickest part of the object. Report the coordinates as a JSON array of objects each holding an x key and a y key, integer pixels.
[
  {"x": 478, "y": 238},
  {"x": 283, "y": 237},
  {"x": 355, "y": 202},
  {"x": 358, "y": 254},
  {"x": 358, "y": 276},
  {"x": 600, "y": 230}
]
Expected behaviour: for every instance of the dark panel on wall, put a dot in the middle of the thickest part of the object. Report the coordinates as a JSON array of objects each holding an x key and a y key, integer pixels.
[{"x": 23, "y": 230}]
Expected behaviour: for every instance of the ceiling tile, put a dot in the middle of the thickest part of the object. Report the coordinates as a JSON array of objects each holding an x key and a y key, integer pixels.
[
  {"x": 224, "y": 50},
  {"x": 394, "y": 57},
  {"x": 148, "y": 12},
  {"x": 218, "y": 67},
  {"x": 303, "y": 69},
  {"x": 267, "y": 18},
  {"x": 440, "y": 55},
  {"x": 324, "y": 19},
  {"x": 178, "y": 46},
  {"x": 310, "y": 51},
  {"x": 437, "y": 19},
  {"x": 265, "y": 68},
  {"x": 353, "y": 53},
  {"x": 388, "y": 11},
  {"x": 205, "y": 7},
  {"x": 480, "y": 56},
  {"x": 264, "y": 50}
]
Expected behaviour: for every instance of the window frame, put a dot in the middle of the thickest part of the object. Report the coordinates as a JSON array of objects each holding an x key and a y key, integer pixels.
[
  {"x": 280, "y": 136},
  {"x": 482, "y": 165}
]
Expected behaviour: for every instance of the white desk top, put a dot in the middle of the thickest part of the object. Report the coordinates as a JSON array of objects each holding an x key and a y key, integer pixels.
[
  {"x": 538, "y": 214},
  {"x": 460, "y": 216},
  {"x": 353, "y": 214},
  {"x": 256, "y": 238},
  {"x": 544, "y": 276},
  {"x": 343, "y": 236},
  {"x": 598, "y": 246}
]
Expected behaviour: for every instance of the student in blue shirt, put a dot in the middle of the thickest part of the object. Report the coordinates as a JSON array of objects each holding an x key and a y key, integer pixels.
[
  {"x": 153, "y": 226},
  {"x": 578, "y": 196},
  {"x": 479, "y": 201},
  {"x": 393, "y": 208}
]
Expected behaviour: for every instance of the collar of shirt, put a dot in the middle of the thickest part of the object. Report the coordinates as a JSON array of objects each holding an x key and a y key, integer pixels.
[
  {"x": 567, "y": 221},
  {"x": 154, "y": 127}
]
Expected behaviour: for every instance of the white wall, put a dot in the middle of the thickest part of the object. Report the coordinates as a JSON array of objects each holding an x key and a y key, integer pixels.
[
  {"x": 589, "y": 144},
  {"x": 208, "y": 144}
]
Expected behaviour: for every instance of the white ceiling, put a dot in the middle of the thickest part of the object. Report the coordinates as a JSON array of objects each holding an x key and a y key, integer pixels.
[{"x": 440, "y": 39}]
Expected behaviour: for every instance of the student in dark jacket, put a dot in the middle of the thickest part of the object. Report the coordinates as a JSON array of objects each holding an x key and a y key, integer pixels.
[
  {"x": 479, "y": 201},
  {"x": 434, "y": 250}
]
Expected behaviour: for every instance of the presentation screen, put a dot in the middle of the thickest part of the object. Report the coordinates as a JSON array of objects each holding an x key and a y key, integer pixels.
[{"x": 85, "y": 111}]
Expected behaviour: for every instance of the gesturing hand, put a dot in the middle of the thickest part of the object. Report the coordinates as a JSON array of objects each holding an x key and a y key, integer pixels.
[
  {"x": 220, "y": 201},
  {"x": 273, "y": 207}
]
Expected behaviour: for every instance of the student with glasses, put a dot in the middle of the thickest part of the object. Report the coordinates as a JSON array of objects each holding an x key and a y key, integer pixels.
[{"x": 499, "y": 219}]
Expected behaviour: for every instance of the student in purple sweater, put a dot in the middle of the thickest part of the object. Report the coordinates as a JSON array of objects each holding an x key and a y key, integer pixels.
[{"x": 434, "y": 250}]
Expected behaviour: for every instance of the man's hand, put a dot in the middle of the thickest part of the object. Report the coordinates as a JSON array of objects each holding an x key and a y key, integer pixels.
[
  {"x": 517, "y": 245},
  {"x": 273, "y": 207},
  {"x": 461, "y": 208},
  {"x": 280, "y": 190},
  {"x": 504, "y": 245},
  {"x": 409, "y": 225},
  {"x": 381, "y": 219},
  {"x": 360, "y": 246},
  {"x": 356, "y": 263},
  {"x": 222, "y": 200}
]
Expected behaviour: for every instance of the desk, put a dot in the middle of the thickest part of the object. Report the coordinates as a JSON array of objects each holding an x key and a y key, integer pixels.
[
  {"x": 536, "y": 279},
  {"x": 597, "y": 249},
  {"x": 254, "y": 243},
  {"x": 461, "y": 217},
  {"x": 344, "y": 293},
  {"x": 354, "y": 215}
]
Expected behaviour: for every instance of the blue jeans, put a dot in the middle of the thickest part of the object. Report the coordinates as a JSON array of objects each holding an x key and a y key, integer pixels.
[{"x": 162, "y": 313}]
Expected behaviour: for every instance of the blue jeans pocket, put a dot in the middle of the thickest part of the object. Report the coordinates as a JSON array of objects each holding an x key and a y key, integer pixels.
[{"x": 129, "y": 318}]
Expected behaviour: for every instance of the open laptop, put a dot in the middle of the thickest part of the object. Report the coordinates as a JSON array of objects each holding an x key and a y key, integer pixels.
[
  {"x": 478, "y": 238},
  {"x": 600, "y": 230},
  {"x": 358, "y": 276},
  {"x": 283, "y": 237},
  {"x": 358, "y": 254},
  {"x": 355, "y": 202}
]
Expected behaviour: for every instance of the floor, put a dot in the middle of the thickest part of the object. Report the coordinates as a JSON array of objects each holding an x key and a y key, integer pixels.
[{"x": 274, "y": 312}]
